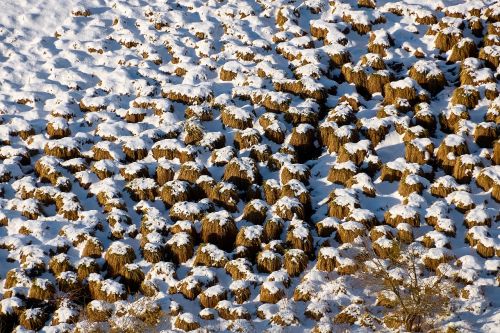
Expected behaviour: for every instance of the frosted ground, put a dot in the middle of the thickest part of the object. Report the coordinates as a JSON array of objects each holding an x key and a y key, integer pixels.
[{"x": 229, "y": 165}]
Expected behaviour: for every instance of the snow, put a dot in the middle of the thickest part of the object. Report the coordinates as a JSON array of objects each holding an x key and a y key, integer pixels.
[
  {"x": 403, "y": 211},
  {"x": 352, "y": 226},
  {"x": 345, "y": 165},
  {"x": 221, "y": 217},
  {"x": 180, "y": 239},
  {"x": 297, "y": 187},
  {"x": 329, "y": 222},
  {"x": 300, "y": 232},
  {"x": 478, "y": 214},
  {"x": 437, "y": 253},
  {"x": 352, "y": 148},
  {"x": 481, "y": 235},
  {"x": 346, "y": 201},
  {"x": 413, "y": 179},
  {"x": 118, "y": 248},
  {"x": 453, "y": 140},
  {"x": 374, "y": 123},
  {"x": 422, "y": 144},
  {"x": 64, "y": 143},
  {"x": 446, "y": 181},
  {"x": 177, "y": 187},
  {"x": 329, "y": 252},
  {"x": 214, "y": 291},
  {"x": 385, "y": 243},
  {"x": 253, "y": 232},
  {"x": 214, "y": 252},
  {"x": 439, "y": 239},
  {"x": 157, "y": 59},
  {"x": 461, "y": 197},
  {"x": 406, "y": 83},
  {"x": 492, "y": 172},
  {"x": 135, "y": 143},
  {"x": 10, "y": 304}
]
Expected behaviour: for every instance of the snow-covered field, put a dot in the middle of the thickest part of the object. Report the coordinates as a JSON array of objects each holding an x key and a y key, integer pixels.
[{"x": 249, "y": 165}]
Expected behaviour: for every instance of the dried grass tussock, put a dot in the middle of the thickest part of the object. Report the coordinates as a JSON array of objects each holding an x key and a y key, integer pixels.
[
  {"x": 295, "y": 261},
  {"x": 33, "y": 319},
  {"x": 219, "y": 229},
  {"x": 117, "y": 256},
  {"x": 428, "y": 75},
  {"x": 249, "y": 166},
  {"x": 466, "y": 95},
  {"x": 462, "y": 50}
]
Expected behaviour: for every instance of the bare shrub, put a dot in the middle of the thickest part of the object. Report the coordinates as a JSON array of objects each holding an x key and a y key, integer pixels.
[{"x": 420, "y": 298}]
